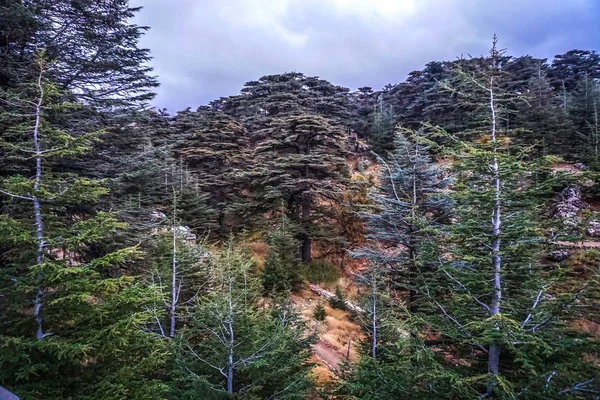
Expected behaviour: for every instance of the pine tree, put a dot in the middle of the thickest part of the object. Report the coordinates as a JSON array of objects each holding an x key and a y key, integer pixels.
[
  {"x": 338, "y": 301},
  {"x": 584, "y": 109},
  {"x": 93, "y": 47},
  {"x": 492, "y": 321},
  {"x": 410, "y": 211},
  {"x": 280, "y": 96},
  {"x": 301, "y": 162},
  {"x": 319, "y": 312},
  {"x": 382, "y": 129},
  {"x": 568, "y": 69},
  {"x": 68, "y": 311},
  {"x": 497, "y": 307},
  {"x": 235, "y": 346},
  {"x": 180, "y": 270},
  {"x": 282, "y": 265},
  {"x": 214, "y": 148},
  {"x": 545, "y": 123},
  {"x": 362, "y": 105}
]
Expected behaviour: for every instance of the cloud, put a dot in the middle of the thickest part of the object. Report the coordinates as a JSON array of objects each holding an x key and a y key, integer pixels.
[{"x": 205, "y": 49}]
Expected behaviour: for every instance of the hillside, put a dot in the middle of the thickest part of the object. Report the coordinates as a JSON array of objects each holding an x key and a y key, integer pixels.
[{"x": 435, "y": 239}]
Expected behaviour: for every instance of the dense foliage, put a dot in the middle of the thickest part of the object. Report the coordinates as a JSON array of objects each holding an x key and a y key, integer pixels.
[{"x": 145, "y": 255}]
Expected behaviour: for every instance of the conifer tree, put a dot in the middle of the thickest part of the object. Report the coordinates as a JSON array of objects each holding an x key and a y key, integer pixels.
[
  {"x": 280, "y": 96},
  {"x": 382, "y": 128},
  {"x": 319, "y": 312},
  {"x": 545, "y": 123},
  {"x": 584, "y": 109},
  {"x": 66, "y": 311},
  {"x": 497, "y": 307},
  {"x": 236, "y": 347},
  {"x": 492, "y": 321},
  {"x": 301, "y": 162},
  {"x": 362, "y": 105},
  {"x": 282, "y": 264},
  {"x": 410, "y": 210},
  {"x": 181, "y": 272},
  {"x": 214, "y": 148},
  {"x": 93, "y": 46}
]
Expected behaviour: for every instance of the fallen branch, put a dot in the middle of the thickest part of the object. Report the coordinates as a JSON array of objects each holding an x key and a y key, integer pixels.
[{"x": 329, "y": 295}]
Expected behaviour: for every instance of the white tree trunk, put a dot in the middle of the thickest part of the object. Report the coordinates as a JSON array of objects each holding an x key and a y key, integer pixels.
[
  {"x": 39, "y": 224},
  {"x": 230, "y": 364},
  {"x": 494, "y": 351},
  {"x": 174, "y": 294}
]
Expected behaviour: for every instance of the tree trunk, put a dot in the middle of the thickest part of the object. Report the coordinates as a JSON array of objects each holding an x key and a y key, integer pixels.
[
  {"x": 174, "y": 290},
  {"x": 412, "y": 270},
  {"x": 230, "y": 364},
  {"x": 174, "y": 296},
  {"x": 494, "y": 350},
  {"x": 306, "y": 241},
  {"x": 374, "y": 326},
  {"x": 39, "y": 224}
]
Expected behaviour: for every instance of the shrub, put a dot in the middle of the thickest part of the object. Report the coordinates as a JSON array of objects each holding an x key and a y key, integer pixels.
[
  {"x": 319, "y": 313},
  {"x": 338, "y": 301},
  {"x": 320, "y": 273}
]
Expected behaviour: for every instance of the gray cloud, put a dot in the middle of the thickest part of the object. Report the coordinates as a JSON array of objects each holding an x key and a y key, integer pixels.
[{"x": 205, "y": 49}]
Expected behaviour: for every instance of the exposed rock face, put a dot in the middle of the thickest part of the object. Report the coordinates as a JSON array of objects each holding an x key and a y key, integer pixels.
[
  {"x": 580, "y": 166},
  {"x": 593, "y": 229},
  {"x": 185, "y": 232},
  {"x": 157, "y": 216},
  {"x": 569, "y": 206},
  {"x": 558, "y": 255}
]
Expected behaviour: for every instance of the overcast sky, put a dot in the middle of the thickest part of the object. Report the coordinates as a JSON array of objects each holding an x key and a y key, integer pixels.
[{"x": 205, "y": 49}]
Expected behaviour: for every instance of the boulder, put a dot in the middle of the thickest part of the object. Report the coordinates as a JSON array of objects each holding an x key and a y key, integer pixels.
[
  {"x": 190, "y": 237},
  {"x": 157, "y": 216},
  {"x": 593, "y": 229},
  {"x": 580, "y": 166},
  {"x": 569, "y": 206},
  {"x": 558, "y": 255},
  {"x": 181, "y": 230}
]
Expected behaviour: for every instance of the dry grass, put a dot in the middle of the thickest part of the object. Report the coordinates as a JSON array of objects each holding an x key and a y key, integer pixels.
[
  {"x": 321, "y": 374},
  {"x": 258, "y": 250},
  {"x": 336, "y": 331}
]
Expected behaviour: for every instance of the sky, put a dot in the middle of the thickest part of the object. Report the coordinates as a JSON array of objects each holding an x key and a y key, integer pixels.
[{"x": 206, "y": 49}]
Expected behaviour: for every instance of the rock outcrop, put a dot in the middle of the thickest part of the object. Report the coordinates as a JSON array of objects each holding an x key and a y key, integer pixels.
[{"x": 569, "y": 206}]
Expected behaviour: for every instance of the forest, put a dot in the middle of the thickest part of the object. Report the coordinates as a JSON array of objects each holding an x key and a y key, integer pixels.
[{"x": 435, "y": 239}]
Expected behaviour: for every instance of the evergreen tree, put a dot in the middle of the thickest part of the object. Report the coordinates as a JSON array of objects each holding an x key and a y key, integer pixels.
[
  {"x": 382, "y": 129},
  {"x": 568, "y": 69},
  {"x": 180, "y": 271},
  {"x": 584, "y": 109},
  {"x": 214, "y": 149},
  {"x": 66, "y": 310},
  {"x": 491, "y": 320},
  {"x": 282, "y": 264},
  {"x": 92, "y": 45},
  {"x": 545, "y": 123},
  {"x": 301, "y": 162},
  {"x": 362, "y": 105},
  {"x": 280, "y": 96},
  {"x": 410, "y": 210},
  {"x": 319, "y": 312},
  {"x": 236, "y": 347},
  {"x": 338, "y": 301},
  {"x": 491, "y": 294}
]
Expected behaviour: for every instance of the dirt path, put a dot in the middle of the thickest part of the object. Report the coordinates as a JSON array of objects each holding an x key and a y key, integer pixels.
[{"x": 331, "y": 358}]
